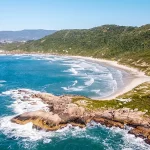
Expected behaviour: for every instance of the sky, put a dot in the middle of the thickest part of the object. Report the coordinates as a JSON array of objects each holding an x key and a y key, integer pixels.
[{"x": 72, "y": 14}]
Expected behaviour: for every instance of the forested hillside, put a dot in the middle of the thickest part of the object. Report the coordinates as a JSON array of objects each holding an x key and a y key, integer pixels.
[{"x": 129, "y": 45}]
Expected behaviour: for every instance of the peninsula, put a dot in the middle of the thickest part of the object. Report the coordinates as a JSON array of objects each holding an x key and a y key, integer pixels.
[{"x": 129, "y": 46}]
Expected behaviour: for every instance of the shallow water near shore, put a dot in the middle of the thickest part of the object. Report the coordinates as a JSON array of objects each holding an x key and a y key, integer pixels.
[{"x": 59, "y": 75}]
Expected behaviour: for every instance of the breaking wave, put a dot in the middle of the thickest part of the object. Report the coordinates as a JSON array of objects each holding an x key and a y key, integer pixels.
[
  {"x": 95, "y": 134},
  {"x": 73, "y": 71},
  {"x": 2, "y": 82},
  {"x": 24, "y": 102},
  {"x": 90, "y": 82}
]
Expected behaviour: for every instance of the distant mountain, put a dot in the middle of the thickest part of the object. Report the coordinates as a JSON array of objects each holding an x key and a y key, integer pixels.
[{"x": 24, "y": 35}]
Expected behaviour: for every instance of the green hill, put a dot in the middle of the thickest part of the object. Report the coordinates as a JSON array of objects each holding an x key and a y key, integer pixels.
[{"x": 126, "y": 44}]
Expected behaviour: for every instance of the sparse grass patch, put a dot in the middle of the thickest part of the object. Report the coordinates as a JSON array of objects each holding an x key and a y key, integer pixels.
[
  {"x": 139, "y": 96},
  {"x": 97, "y": 104}
]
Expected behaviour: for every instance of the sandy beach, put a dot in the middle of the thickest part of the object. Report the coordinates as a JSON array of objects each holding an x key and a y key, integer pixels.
[{"x": 136, "y": 77}]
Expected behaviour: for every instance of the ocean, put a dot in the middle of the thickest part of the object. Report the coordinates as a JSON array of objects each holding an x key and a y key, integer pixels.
[{"x": 59, "y": 75}]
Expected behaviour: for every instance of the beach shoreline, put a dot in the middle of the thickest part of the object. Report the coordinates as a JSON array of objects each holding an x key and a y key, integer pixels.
[{"x": 136, "y": 77}]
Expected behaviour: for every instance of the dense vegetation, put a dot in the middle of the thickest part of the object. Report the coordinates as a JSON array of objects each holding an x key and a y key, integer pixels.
[{"x": 129, "y": 45}]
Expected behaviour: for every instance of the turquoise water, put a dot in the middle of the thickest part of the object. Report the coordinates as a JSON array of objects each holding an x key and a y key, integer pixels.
[{"x": 59, "y": 75}]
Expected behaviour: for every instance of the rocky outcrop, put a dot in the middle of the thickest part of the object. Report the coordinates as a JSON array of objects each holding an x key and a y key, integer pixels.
[
  {"x": 125, "y": 116},
  {"x": 57, "y": 104},
  {"x": 108, "y": 122},
  {"x": 142, "y": 132},
  {"x": 74, "y": 110},
  {"x": 40, "y": 119},
  {"x": 62, "y": 112}
]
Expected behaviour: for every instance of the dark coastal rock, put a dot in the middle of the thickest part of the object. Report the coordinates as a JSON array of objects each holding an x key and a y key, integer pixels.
[
  {"x": 147, "y": 140},
  {"x": 140, "y": 131},
  {"x": 108, "y": 123},
  {"x": 75, "y": 121}
]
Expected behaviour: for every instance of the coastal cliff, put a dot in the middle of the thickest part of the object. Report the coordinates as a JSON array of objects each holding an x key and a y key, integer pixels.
[{"x": 78, "y": 111}]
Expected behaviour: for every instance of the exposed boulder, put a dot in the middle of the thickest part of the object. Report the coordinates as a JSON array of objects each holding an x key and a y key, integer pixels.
[
  {"x": 74, "y": 110},
  {"x": 41, "y": 119},
  {"x": 107, "y": 122}
]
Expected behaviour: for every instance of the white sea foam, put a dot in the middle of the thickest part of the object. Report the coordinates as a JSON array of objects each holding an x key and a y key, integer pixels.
[
  {"x": 120, "y": 74},
  {"x": 52, "y": 58},
  {"x": 89, "y": 82},
  {"x": 12, "y": 130},
  {"x": 109, "y": 76},
  {"x": 29, "y": 134},
  {"x": 130, "y": 141},
  {"x": 93, "y": 73},
  {"x": 74, "y": 83},
  {"x": 114, "y": 85},
  {"x": 3, "y": 54},
  {"x": 24, "y": 101},
  {"x": 97, "y": 91},
  {"x": 25, "y": 131},
  {"x": 41, "y": 57},
  {"x": 2, "y": 81},
  {"x": 73, "y": 89},
  {"x": 72, "y": 70}
]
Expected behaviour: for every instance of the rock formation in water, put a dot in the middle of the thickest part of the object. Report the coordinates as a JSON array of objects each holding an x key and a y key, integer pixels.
[{"x": 62, "y": 111}]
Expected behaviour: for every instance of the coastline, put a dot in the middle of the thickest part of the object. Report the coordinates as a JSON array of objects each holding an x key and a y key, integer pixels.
[
  {"x": 136, "y": 77},
  {"x": 78, "y": 111}
]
